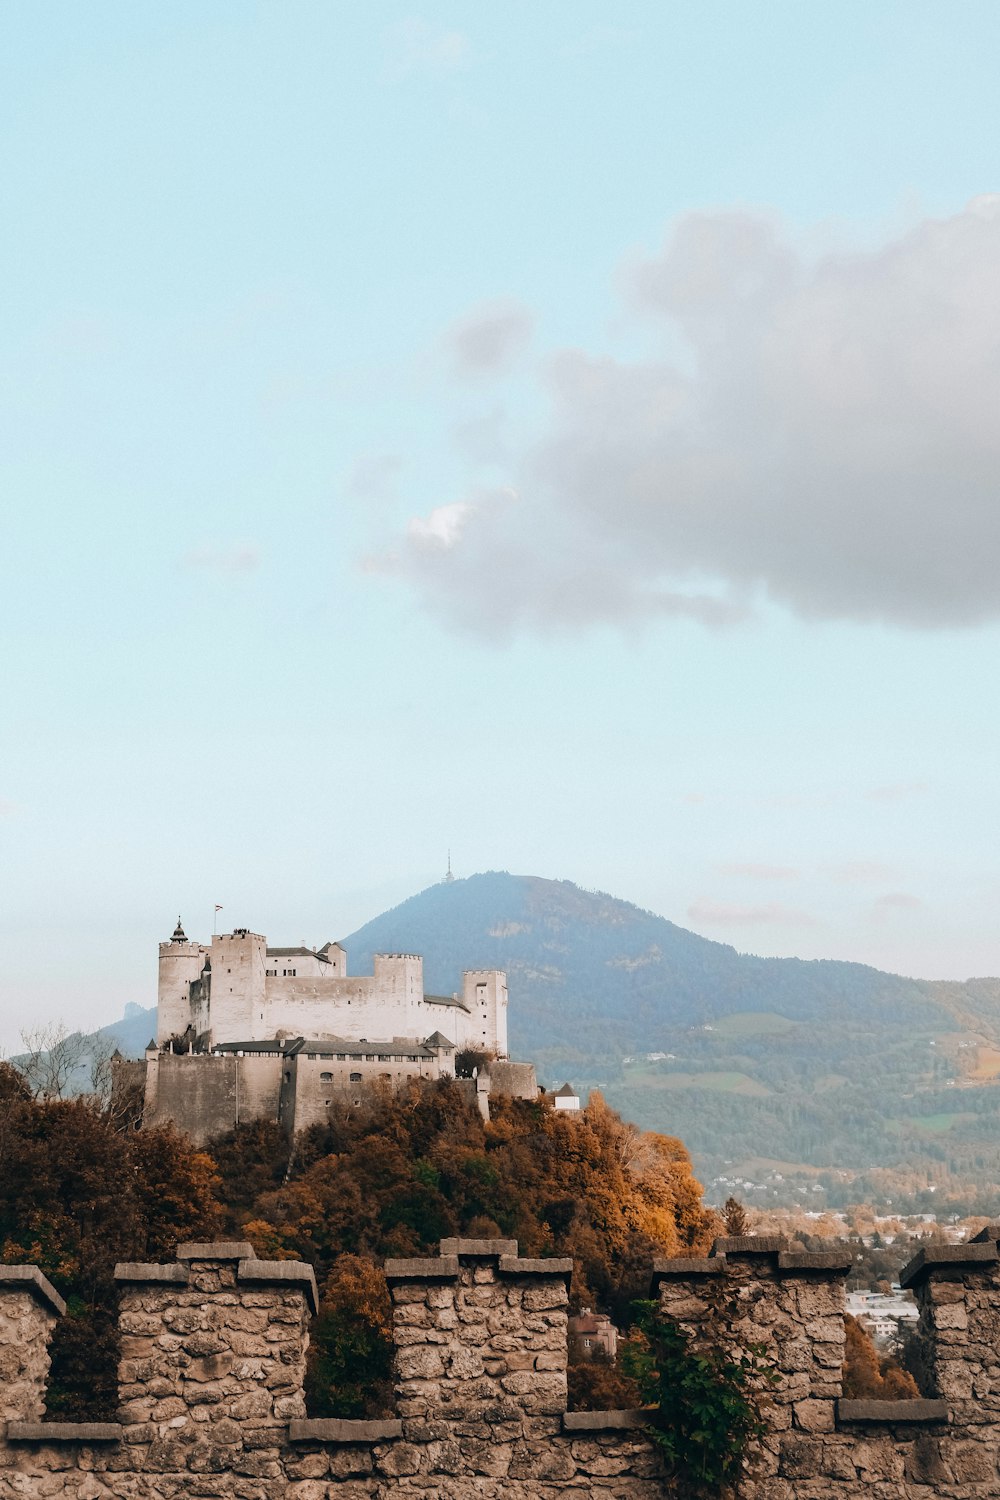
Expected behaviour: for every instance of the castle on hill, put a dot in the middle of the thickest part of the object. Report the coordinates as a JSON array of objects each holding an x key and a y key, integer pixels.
[{"x": 245, "y": 1032}]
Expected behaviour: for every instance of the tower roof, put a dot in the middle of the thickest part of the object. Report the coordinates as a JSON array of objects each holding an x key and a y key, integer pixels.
[{"x": 178, "y": 935}]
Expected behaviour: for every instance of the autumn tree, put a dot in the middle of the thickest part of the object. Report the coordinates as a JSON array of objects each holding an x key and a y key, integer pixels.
[
  {"x": 869, "y": 1377},
  {"x": 414, "y": 1165},
  {"x": 77, "y": 1194},
  {"x": 734, "y": 1217},
  {"x": 350, "y": 1356}
]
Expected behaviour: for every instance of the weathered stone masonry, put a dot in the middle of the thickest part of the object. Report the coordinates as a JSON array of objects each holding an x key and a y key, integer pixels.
[{"x": 213, "y": 1359}]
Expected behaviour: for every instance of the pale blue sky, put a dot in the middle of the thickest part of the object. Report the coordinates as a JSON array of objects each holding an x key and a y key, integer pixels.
[{"x": 295, "y": 298}]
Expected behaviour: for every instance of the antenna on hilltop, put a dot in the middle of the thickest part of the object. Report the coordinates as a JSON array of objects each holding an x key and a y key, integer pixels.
[{"x": 449, "y": 877}]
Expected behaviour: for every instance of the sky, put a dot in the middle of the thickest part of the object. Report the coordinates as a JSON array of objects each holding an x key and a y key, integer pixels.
[{"x": 563, "y": 434}]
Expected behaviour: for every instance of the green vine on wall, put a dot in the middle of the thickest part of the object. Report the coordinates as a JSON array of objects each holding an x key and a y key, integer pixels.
[{"x": 705, "y": 1395}]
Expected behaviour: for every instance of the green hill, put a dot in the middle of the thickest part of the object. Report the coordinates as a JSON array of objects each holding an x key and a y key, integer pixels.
[{"x": 834, "y": 1069}]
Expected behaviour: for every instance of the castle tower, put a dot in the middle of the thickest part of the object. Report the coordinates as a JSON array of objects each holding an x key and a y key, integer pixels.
[
  {"x": 181, "y": 963},
  {"x": 237, "y": 1006},
  {"x": 484, "y": 992}
]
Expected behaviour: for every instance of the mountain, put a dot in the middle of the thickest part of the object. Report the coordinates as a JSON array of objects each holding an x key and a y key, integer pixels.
[{"x": 794, "y": 1080}]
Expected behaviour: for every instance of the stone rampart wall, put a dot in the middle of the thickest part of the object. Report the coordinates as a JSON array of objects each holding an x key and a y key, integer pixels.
[{"x": 213, "y": 1360}]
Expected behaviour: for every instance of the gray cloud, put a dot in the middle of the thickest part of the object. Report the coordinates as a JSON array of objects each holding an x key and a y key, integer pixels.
[
  {"x": 374, "y": 476},
  {"x": 722, "y": 913},
  {"x": 489, "y": 338},
  {"x": 899, "y": 791},
  {"x": 896, "y": 901},
  {"x": 828, "y": 440},
  {"x": 855, "y": 871}
]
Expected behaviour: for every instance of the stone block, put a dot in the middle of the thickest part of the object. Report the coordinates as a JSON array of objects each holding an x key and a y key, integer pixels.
[
  {"x": 919, "y": 1409},
  {"x": 30, "y": 1279},
  {"x": 426, "y": 1268},
  {"x": 340, "y": 1430},
  {"x": 451, "y": 1247},
  {"x": 603, "y": 1421},
  {"x": 814, "y": 1416},
  {"x": 953, "y": 1259}
]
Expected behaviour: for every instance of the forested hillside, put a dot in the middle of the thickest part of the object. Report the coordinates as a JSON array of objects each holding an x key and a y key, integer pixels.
[{"x": 81, "y": 1188}]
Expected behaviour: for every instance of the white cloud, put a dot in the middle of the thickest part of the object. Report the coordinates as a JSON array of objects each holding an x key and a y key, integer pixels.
[
  {"x": 830, "y": 441},
  {"x": 441, "y": 529},
  {"x": 416, "y": 47},
  {"x": 238, "y": 558}
]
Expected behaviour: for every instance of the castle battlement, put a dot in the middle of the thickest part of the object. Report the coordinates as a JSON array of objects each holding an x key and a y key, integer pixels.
[
  {"x": 237, "y": 989},
  {"x": 213, "y": 1350}
]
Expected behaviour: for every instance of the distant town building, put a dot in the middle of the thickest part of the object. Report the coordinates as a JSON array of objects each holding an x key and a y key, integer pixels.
[
  {"x": 883, "y": 1314},
  {"x": 565, "y": 1098},
  {"x": 591, "y": 1332}
]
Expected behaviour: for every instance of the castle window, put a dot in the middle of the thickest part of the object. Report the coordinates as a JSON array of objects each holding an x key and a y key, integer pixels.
[
  {"x": 355, "y": 1077},
  {"x": 341, "y": 1056},
  {"x": 326, "y": 1078}
]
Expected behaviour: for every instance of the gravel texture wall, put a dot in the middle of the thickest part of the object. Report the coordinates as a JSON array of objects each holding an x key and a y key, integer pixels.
[{"x": 213, "y": 1362}]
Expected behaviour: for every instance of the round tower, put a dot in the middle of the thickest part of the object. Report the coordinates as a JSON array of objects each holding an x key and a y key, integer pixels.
[{"x": 181, "y": 962}]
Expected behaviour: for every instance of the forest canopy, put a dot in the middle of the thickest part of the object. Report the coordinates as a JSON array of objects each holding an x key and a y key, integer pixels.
[{"x": 81, "y": 1188}]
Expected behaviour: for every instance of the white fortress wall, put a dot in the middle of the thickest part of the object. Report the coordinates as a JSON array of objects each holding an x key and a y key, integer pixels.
[{"x": 321, "y": 1007}]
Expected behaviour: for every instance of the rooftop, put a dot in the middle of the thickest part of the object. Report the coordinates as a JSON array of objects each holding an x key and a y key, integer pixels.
[{"x": 334, "y": 1046}]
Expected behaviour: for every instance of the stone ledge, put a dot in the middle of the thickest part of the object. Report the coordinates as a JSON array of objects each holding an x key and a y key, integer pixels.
[
  {"x": 690, "y": 1265},
  {"x": 815, "y": 1260},
  {"x": 519, "y": 1265},
  {"x": 30, "y": 1279},
  {"x": 340, "y": 1430},
  {"x": 64, "y": 1432},
  {"x": 749, "y": 1244},
  {"x": 948, "y": 1257},
  {"x": 281, "y": 1273},
  {"x": 478, "y": 1247},
  {"x": 216, "y": 1250},
  {"x": 135, "y": 1270},
  {"x": 921, "y": 1409},
  {"x": 603, "y": 1421},
  {"x": 429, "y": 1268}
]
